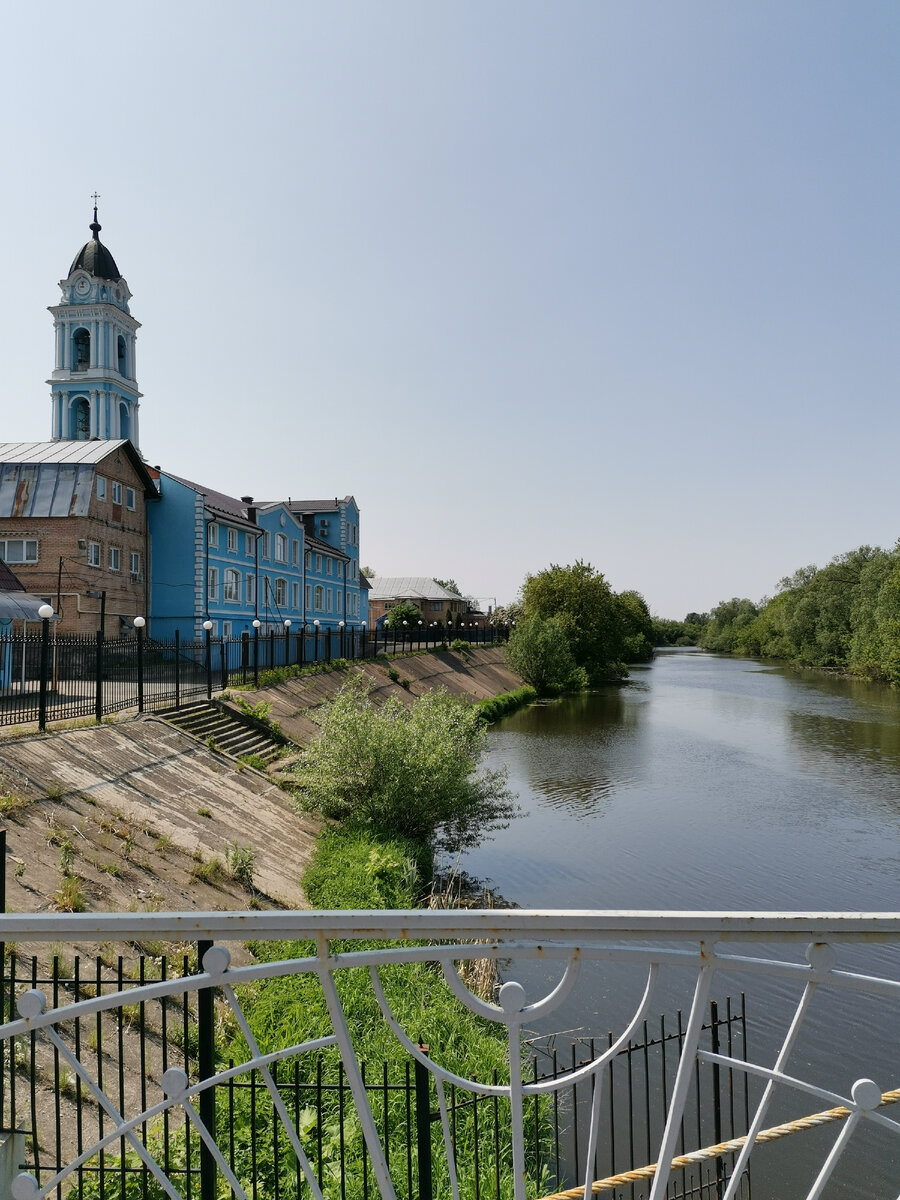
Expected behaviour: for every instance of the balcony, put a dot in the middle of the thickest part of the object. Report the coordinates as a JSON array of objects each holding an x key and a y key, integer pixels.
[{"x": 802, "y": 1108}]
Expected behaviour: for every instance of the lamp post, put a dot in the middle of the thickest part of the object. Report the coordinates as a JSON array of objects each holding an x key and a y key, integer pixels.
[
  {"x": 207, "y": 628},
  {"x": 256, "y": 625},
  {"x": 403, "y": 637},
  {"x": 316, "y": 627},
  {"x": 341, "y": 628},
  {"x": 45, "y": 612},
  {"x": 287, "y": 641},
  {"x": 139, "y": 624},
  {"x": 363, "y": 639}
]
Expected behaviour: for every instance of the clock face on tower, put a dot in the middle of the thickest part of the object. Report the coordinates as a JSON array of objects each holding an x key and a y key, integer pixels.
[{"x": 82, "y": 285}]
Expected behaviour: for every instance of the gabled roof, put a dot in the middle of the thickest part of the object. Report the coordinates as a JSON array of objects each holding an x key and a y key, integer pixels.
[
  {"x": 217, "y": 502},
  {"x": 412, "y": 587},
  {"x": 9, "y": 582},
  {"x": 313, "y": 506},
  {"x": 55, "y": 479}
]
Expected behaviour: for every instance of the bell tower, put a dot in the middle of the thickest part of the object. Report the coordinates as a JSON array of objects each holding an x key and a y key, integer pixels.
[{"x": 94, "y": 391}]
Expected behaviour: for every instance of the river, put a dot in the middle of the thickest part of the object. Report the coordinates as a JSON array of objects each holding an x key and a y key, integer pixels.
[{"x": 710, "y": 782}]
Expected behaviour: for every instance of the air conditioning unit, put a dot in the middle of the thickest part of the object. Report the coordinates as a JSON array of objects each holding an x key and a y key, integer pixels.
[{"x": 82, "y": 544}]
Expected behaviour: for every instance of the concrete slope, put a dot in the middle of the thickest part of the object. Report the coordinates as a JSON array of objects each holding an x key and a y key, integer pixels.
[{"x": 145, "y": 776}]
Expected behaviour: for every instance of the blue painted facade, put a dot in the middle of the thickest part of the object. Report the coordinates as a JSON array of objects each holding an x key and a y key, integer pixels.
[{"x": 227, "y": 560}]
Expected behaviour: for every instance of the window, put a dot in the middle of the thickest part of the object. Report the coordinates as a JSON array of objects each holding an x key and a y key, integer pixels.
[
  {"x": 307, "y": 596},
  {"x": 226, "y": 629},
  {"x": 232, "y": 535},
  {"x": 340, "y": 600},
  {"x": 250, "y": 543},
  {"x": 81, "y": 350},
  {"x": 267, "y": 590},
  {"x": 212, "y": 534},
  {"x": 295, "y": 553},
  {"x": 116, "y": 492},
  {"x": 435, "y": 605},
  {"x": 212, "y": 584},
  {"x": 328, "y": 599},
  {"x": 265, "y": 549},
  {"x": 135, "y": 567},
  {"x": 295, "y": 595},
  {"x": 101, "y": 487},
  {"x": 232, "y": 584},
  {"x": 120, "y": 348},
  {"x": 115, "y": 558},
  {"x": 281, "y": 592},
  {"x": 251, "y": 588},
  {"x": 130, "y": 499},
  {"x": 320, "y": 598},
  {"x": 81, "y": 420},
  {"x": 281, "y": 543},
  {"x": 328, "y": 565},
  {"x": 93, "y": 554},
  {"x": 19, "y": 550},
  {"x": 307, "y": 558}
]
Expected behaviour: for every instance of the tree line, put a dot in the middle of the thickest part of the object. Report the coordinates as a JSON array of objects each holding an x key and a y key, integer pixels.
[{"x": 844, "y": 616}]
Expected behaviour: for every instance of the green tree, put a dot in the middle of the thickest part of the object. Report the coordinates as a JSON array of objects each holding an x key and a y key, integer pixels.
[
  {"x": 637, "y": 627},
  {"x": 404, "y": 611},
  {"x": 449, "y": 584},
  {"x": 539, "y": 651},
  {"x": 407, "y": 771},
  {"x": 586, "y": 607}
]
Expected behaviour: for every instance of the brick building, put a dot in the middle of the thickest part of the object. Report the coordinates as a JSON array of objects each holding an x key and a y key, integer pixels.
[{"x": 73, "y": 527}]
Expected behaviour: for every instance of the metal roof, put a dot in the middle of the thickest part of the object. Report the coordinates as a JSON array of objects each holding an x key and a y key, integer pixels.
[
  {"x": 92, "y": 451},
  {"x": 413, "y": 587}
]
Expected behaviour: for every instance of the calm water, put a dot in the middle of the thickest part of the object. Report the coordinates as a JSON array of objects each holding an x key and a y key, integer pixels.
[{"x": 719, "y": 783}]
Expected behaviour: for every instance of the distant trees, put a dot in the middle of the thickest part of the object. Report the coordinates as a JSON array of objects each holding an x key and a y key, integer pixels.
[
  {"x": 844, "y": 616},
  {"x": 404, "y": 611}
]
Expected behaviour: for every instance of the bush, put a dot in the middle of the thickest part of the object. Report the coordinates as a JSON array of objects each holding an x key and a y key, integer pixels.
[
  {"x": 501, "y": 706},
  {"x": 539, "y": 650},
  {"x": 459, "y": 644},
  {"x": 403, "y": 770}
]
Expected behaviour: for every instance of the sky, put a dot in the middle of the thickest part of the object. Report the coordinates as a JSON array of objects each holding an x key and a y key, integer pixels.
[{"x": 534, "y": 281}]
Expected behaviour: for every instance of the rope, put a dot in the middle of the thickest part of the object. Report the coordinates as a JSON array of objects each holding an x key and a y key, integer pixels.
[{"x": 718, "y": 1151}]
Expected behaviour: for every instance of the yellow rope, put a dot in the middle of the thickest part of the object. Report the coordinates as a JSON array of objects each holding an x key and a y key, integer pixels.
[{"x": 718, "y": 1151}]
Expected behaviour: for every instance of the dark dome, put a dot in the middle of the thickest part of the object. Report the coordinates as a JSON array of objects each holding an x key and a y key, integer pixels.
[{"x": 94, "y": 256}]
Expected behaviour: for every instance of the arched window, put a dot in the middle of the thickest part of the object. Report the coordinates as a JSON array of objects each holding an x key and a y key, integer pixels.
[
  {"x": 233, "y": 585},
  {"x": 319, "y": 597},
  {"x": 81, "y": 350},
  {"x": 124, "y": 421},
  {"x": 80, "y": 429},
  {"x": 120, "y": 344}
]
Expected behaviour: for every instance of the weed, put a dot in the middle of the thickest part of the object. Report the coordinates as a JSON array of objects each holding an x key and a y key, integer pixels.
[
  {"x": 394, "y": 674},
  {"x": 111, "y": 869},
  {"x": 54, "y": 792},
  {"x": 163, "y": 843},
  {"x": 253, "y": 760},
  {"x": 20, "y": 870},
  {"x": 11, "y": 803},
  {"x": 241, "y": 861},
  {"x": 88, "y": 799},
  {"x": 66, "y": 856},
  {"x": 212, "y": 872},
  {"x": 69, "y": 897},
  {"x": 404, "y": 683},
  {"x": 132, "y": 1016},
  {"x": 108, "y": 955},
  {"x": 204, "y": 812},
  {"x": 68, "y": 1085},
  {"x": 211, "y": 743},
  {"x": 128, "y": 845},
  {"x": 93, "y": 1041}
]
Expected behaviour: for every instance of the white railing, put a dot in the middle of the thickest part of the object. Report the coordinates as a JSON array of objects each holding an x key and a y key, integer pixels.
[{"x": 794, "y": 962}]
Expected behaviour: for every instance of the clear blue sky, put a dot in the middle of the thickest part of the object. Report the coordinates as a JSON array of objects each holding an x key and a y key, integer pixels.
[{"x": 533, "y": 281}]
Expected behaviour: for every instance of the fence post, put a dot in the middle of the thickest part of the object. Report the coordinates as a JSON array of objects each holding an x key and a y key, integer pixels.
[
  {"x": 139, "y": 626},
  {"x": 423, "y": 1127},
  {"x": 717, "y": 1099},
  {"x": 45, "y": 665},
  {"x": 177, "y": 668},
  {"x": 98, "y": 696},
  {"x": 223, "y": 648},
  {"x": 206, "y": 1068}
]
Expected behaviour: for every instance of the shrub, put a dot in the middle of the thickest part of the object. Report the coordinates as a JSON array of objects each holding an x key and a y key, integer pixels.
[
  {"x": 539, "y": 650},
  {"x": 241, "y": 861},
  {"x": 500, "y": 706},
  {"x": 459, "y": 644},
  {"x": 406, "y": 770}
]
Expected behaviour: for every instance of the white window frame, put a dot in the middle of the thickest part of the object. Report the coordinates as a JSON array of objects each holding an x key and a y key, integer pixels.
[
  {"x": 307, "y": 595},
  {"x": 231, "y": 586},
  {"x": 250, "y": 544},
  {"x": 101, "y": 487},
  {"x": 24, "y": 543},
  {"x": 212, "y": 534},
  {"x": 295, "y": 553},
  {"x": 281, "y": 548},
  {"x": 280, "y": 592},
  {"x": 135, "y": 561},
  {"x": 226, "y": 629},
  {"x": 328, "y": 600},
  {"x": 130, "y": 499},
  {"x": 295, "y": 595},
  {"x": 93, "y": 554},
  {"x": 116, "y": 492},
  {"x": 212, "y": 583},
  {"x": 319, "y": 604},
  {"x": 115, "y": 558},
  {"x": 231, "y": 536},
  {"x": 250, "y": 581},
  {"x": 328, "y": 565}
]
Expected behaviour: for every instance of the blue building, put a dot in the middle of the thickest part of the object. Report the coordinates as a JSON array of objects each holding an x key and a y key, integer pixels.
[{"x": 231, "y": 561}]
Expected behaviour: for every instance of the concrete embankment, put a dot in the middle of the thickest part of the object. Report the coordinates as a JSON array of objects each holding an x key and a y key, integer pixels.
[{"x": 152, "y": 813}]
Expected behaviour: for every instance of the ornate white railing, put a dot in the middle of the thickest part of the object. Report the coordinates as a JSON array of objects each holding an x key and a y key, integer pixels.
[{"x": 800, "y": 957}]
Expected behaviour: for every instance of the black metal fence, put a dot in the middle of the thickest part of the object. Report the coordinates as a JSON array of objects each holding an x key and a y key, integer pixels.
[
  {"x": 127, "y": 1049},
  {"x": 46, "y": 678}
]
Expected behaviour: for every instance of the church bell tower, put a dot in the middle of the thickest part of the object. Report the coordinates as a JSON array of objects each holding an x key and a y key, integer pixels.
[{"x": 94, "y": 386}]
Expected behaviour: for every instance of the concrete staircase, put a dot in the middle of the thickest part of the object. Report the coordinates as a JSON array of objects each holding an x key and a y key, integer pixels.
[{"x": 229, "y": 733}]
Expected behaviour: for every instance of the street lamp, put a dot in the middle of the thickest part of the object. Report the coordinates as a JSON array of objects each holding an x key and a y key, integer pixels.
[
  {"x": 45, "y": 612},
  {"x": 256, "y": 624},
  {"x": 316, "y": 627},
  {"x": 287, "y": 641},
  {"x": 207, "y": 628}
]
